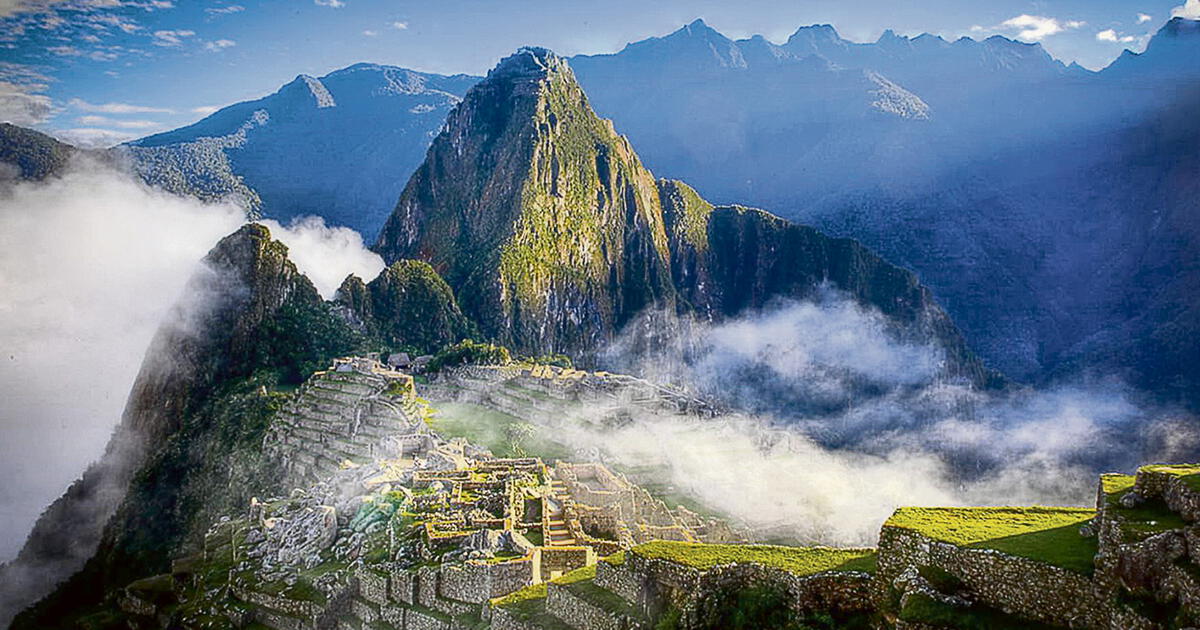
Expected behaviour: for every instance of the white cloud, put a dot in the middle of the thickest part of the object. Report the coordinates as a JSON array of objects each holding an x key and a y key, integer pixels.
[
  {"x": 94, "y": 137},
  {"x": 94, "y": 120},
  {"x": 1142, "y": 18},
  {"x": 326, "y": 254},
  {"x": 1034, "y": 28},
  {"x": 1189, "y": 10},
  {"x": 370, "y": 33},
  {"x": 233, "y": 8},
  {"x": 24, "y": 104},
  {"x": 116, "y": 108},
  {"x": 13, "y": 7},
  {"x": 1109, "y": 35},
  {"x": 171, "y": 37},
  {"x": 90, "y": 265},
  {"x": 219, "y": 45},
  {"x": 64, "y": 51},
  {"x": 400, "y": 26},
  {"x": 336, "y": 4},
  {"x": 205, "y": 109}
]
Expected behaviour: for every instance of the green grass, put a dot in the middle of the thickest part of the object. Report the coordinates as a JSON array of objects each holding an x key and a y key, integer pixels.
[
  {"x": 1045, "y": 534},
  {"x": 487, "y": 427},
  {"x": 923, "y": 609},
  {"x": 616, "y": 559},
  {"x": 1147, "y": 519},
  {"x": 603, "y": 598},
  {"x": 1188, "y": 473},
  {"x": 798, "y": 560}
]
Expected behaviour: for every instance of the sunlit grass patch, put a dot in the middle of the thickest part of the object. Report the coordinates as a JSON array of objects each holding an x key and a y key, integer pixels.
[
  {"x": 798, "y": 560},
  {"x": 1045, "y": 534}
]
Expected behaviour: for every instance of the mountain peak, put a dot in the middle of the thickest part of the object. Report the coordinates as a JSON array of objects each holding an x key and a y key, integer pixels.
[{"x": 529, "y": 62}]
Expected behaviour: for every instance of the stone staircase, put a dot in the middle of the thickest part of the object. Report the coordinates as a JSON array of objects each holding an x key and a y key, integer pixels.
[{"x": 555, "y": 528}]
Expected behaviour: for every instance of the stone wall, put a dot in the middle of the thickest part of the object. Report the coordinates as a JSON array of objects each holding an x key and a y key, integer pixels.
[
  {"x": 620, "y": 580},
  {"x": 477, "y": 582},
  {"x": 580, "y": 613},
  {"x": 1013, "y": 584},
  {"x": 560, "y": 560},
  {"x": 372, "y": 585}
]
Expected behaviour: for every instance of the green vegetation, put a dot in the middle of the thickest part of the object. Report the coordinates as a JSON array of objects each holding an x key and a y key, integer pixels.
[
  {"x": 616, "y": 559},
  {"x": 557, "y": 360},
  {"x": 1045, "y": 534},
  {"x": 764, "y": 606},
  {"x": 685, "y": 212},
  {"x": 1188, "y": 473},
  {"x": 467, "y": 352},
  {"x": 494, "y": 430},
  {"x": 303, "y": 338},
  {"x": 798, "y": 560},
  {"x": 919, "y": 608},
  {"x": 413, "y": 307},
  {"x": 1148, "y": 518},
  {"x": 602, "y": 598}
]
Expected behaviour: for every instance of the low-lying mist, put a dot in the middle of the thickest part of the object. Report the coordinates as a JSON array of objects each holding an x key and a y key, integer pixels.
[
  {"x": 844, "y": 423},
  {"x": 90, "y": 265}
]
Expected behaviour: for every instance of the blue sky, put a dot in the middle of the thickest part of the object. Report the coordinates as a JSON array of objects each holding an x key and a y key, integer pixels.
[{"x": 100, "y": 71}]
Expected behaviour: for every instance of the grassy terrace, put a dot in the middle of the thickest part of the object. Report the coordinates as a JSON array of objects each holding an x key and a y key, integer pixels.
[
  {"x": 529, "y": 603},
  {"x": 1189, "y": 473},
  {"x": 1145, "y": 520},
  {"x": 491, "y": 429},
  {"x": 798, "y": 560},
  {"x": 1045, "y": 534}
]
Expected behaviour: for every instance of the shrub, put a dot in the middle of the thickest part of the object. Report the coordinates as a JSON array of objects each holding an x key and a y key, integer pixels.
[{"x": 467, "y": 352}]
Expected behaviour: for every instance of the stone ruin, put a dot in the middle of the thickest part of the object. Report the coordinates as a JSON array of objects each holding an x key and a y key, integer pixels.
[{"x": 393, "y": 526}]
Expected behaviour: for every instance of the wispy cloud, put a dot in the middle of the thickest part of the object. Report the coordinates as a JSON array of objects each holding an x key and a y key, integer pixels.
[
  {"x": 219, "y": 45},
  {"x": 233, "y": 8},
  {"x": 170, "y": 38},
  {"x": 205, "y": 109},
  {"x": 1142, "y": 18},
  {"x": 336, "y": 4},
  {"x": 1035, "y": 27},
  {"x": 24, "y": 104},
  {"x": 370, "y": 33},
  {"x": 1031, "y": 28},
  {"x": 64, "y": 51},
  {"x": 1189, "y": 10},
  {"x": 400, "y": 26},
  {"x": 94, "y": 137},
  {"x": 1110, "y": 35},
  {"x": 93, "y": 120},
  {"x": 116, "y": 108}
]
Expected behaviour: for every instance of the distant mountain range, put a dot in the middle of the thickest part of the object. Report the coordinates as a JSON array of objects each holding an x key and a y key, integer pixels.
[{"x": 339, "y": 146}]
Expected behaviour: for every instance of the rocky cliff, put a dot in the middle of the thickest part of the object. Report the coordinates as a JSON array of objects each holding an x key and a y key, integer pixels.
[{"x": 554, "y": 235}]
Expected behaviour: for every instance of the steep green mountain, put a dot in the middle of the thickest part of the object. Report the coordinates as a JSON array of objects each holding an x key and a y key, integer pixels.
[
  {"x": 554, "y": 235},
  {"x": 407, "y": 305},
  {"x": 31, "y": 154}
]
